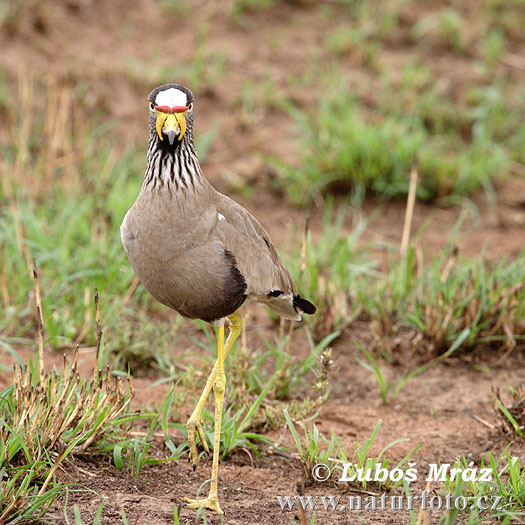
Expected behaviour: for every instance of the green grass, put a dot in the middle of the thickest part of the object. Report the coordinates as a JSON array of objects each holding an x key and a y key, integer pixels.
[
  {"x": 97, "y": 519},
  {"x": 65, "y": 216},
  {"x": 511, "y": 415},
  {"x": 507, "y": 482},
  {"x": 388, "y": 388},
  {"x": 317, "y": 450},
  {"x": 463, "y": 128},
  {"x": 260, "y": 384},
  {"x": 506, "y": 475},
  {"x": 448, "y": 296},
  {"x": 242, "y": 8},
  {"x": 44, "y": 419},
  {"x": 347, "y": 149},
  {"x": 441, "y": 298},
  {"x": 335, "y": 261},
  {"x": 446, "y": 27}
]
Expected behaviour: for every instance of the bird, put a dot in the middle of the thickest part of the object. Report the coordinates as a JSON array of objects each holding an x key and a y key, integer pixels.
[{"x": 200, "y": 253}]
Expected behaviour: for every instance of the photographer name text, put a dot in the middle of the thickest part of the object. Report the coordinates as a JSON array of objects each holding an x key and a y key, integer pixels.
[{"x": 378, "y": 473}]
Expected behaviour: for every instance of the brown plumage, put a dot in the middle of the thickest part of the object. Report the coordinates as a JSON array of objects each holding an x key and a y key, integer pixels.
[{"x": 194, "y": 249}]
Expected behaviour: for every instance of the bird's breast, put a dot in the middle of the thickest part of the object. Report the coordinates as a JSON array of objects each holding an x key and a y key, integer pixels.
[
  {"x": 165, "y": 226},
  {"x": 179, "y": 260}
]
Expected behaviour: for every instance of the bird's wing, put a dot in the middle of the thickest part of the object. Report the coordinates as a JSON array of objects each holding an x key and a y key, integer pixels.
[{"x": 249, "y": 243}]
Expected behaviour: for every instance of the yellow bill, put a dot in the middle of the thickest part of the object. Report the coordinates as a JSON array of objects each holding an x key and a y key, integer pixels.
[{"x": 170, "y": 123}]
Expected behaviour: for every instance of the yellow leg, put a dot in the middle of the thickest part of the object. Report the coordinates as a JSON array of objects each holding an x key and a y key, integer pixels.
[
  {"x": 218, "y": 379},
  {"x": 194, "y": 423}
]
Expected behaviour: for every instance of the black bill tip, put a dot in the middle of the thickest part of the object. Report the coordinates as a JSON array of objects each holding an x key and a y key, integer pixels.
[{"x": 171, "y": 137}]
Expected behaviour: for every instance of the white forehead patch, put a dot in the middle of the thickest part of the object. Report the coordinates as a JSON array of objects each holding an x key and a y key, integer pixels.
[{"x": 171, "y": 97}]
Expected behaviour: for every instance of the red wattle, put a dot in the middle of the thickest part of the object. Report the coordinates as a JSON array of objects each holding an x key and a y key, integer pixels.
[
  {"x": 174, "y": 109},
  {"x": 163, "y": 109}
]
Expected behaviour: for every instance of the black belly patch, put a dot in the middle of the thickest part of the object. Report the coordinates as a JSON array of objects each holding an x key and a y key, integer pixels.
[
  {"x": 235, "y": 284},
  {"x": 234, "y": 293}
]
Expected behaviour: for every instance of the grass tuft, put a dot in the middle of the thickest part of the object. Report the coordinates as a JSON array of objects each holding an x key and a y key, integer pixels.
[
  {"x": 47, "y": 417},
  {"x": 348, "y": 149},
  {"x": 511, "y": 416},
  {"x": 506, "y": 486},
  {"x": 317, "y": 450},
  {"x": 411, "y": 304}
]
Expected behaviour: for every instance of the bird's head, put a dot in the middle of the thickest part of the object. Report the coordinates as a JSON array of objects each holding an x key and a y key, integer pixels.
[{"x": 171, "y": 113}]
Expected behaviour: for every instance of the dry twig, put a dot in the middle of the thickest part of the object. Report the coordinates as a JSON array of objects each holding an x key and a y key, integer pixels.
[{"x": 409, "y": 214}]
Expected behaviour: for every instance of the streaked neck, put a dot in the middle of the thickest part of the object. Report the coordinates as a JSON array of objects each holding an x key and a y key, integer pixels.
[{"x": 176, "y": 168}]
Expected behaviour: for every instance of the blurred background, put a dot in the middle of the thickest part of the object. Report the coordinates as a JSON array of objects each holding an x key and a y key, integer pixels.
[{"x": 303, "y": 109}]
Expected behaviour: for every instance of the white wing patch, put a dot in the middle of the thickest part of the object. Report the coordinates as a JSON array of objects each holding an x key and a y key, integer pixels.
[{"x": 171, "y": 97}]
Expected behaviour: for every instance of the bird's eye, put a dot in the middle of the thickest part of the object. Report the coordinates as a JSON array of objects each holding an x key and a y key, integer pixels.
[
  {"x": 190, "y": 106},
  {"x": 151, "y": 107}
]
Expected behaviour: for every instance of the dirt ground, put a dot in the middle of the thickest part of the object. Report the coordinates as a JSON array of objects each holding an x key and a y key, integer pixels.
[
  {"x": 437, "y": 408},
  {"x": 92, "y": 41}
]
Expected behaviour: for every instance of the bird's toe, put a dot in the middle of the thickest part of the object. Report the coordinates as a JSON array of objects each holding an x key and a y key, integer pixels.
[
  {"x": 202, "y": 437},
  {"x": 211, "y": 503},
  {"x": 194, "y": 429}
]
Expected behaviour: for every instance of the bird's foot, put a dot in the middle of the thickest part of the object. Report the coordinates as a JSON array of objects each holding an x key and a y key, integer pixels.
[
  {"x": 211, "y": 502},
  {"x": 194, "y": 426}
]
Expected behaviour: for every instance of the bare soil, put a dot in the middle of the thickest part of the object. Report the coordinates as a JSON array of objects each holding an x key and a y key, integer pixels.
[{"x": 93, "y": 41}]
